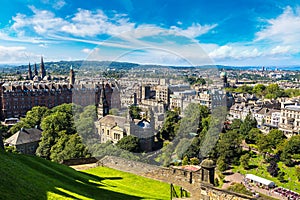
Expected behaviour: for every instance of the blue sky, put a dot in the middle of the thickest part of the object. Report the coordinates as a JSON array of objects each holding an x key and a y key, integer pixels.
[{"x": 169, "y": 32}]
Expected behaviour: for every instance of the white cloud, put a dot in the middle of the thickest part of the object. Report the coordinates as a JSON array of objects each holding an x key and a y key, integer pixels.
[
  {"x": 235, "y": 52},
  {"x": 193, "y": 31},
  {"x": 283, "y": 29},
  {"x": 59, "y": 4},
  {"x": 86, "y": 50},
  {"x": 14, "y": 54}
]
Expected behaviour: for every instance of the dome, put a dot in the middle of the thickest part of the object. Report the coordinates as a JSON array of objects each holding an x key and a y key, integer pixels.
[
  {"x": 207, "y": 163},
  {"x": 223, "y": 74}
]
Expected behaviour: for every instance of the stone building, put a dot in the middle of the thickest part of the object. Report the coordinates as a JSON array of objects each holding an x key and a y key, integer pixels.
[
  {"x": 113, "y": 128},
  {"x": 16, "y": 98},
  {"x": 26, "y": 141},
  {"x": 290, "y": 118}
]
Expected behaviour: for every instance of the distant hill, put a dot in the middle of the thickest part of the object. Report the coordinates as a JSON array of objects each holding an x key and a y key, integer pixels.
[{"x": 29, "y": 177}]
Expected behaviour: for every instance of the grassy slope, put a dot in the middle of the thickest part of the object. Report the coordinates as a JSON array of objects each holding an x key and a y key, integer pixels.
[{"x": 28, "y": 177}]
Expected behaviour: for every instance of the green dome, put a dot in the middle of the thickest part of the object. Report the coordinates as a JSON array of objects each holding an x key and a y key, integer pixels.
[
  {"x": 207, "y": 163},
  {"x": 223, "y": 74}
]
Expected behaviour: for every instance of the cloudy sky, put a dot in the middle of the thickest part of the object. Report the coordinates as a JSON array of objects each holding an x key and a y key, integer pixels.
[{"x": 170, "y": 32}]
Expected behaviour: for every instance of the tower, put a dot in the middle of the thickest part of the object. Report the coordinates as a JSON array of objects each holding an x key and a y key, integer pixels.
[
  {"x": 72, "y": 76},
  {"x": 29, "y": 72},
  {"x": 103, "y": 108},
  {"x": 208, "y": 171},
  {"x": 42, "y": 69},
  {"x": 35, "y": 70}
]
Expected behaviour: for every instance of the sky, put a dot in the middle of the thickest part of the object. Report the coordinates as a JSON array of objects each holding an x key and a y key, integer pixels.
[{"x": 166, "y": 32}]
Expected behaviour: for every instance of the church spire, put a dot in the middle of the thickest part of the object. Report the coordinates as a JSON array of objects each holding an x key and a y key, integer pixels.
[
  {"x": 72, "y": 76},
  {"x": 103, "y": 108},
  {"x": 42, "y": 68},
  {"x": 29, "y": 72}
]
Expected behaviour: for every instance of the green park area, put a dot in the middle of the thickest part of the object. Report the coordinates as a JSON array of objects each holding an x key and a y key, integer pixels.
[{"x": 258, "y": 166}]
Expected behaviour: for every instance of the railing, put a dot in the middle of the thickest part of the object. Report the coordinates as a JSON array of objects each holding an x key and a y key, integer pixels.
[{"x": 173, "y": 193}]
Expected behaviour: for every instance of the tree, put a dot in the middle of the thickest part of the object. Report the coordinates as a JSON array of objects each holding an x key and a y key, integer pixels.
[
  {"x": 134, "y": 112},
  {"x": 194, "y": 161},
  {"x": 67, "y": 147},
  {"x": 35, "y": 115},
  {"x": 273, "y": 91},
  {"x": 129, "y": 143},
  {"x": 252, "y": 136},
  {"x": 281, "y": 176},
  {"x": 298, "y": 173},
  {"x": 113, "y": 111},
  {"x": 244, "y": 160},
  {"x": 275, "y": 137},
  {"x": 249, "y": 123},
  {"x": 273, "y": 168},
  {"x": 229, "y": 146},
  {"x": 290, "y": 150},
  {"x": 236, "y": 124},
  {"x": 259, "y": 89},
  {"x": 221, "y": 164},
  {"x": 185, "y": 160},
  {"x": 170, "y": 125},
  {"x": 239, "y": 188}
]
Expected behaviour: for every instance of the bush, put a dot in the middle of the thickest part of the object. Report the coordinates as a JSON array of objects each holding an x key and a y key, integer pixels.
[{"x": 195, "y": 161}]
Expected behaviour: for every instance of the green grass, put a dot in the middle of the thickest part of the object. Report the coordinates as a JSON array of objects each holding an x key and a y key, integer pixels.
[
  {"x": 259, "y": 168},
  {"x": 29, "y": 177}
]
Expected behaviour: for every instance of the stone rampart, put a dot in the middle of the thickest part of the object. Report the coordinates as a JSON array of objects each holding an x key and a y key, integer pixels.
[{"x": 189, "y": 180}]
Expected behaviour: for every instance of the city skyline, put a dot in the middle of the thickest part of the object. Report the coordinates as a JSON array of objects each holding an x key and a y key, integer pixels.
[{"x": 152, "y": 32}]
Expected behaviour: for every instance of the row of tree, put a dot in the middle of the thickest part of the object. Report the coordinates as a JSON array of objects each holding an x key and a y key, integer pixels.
[{"x": 271, "y": 91}]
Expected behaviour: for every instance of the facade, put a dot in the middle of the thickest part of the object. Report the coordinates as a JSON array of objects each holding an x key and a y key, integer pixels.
[
  {"x": 114, "y": 128},
  {"x": 290, "y": 119},
  {"x": 16, "y": 98},
  {"x": 26, "y": 141}
]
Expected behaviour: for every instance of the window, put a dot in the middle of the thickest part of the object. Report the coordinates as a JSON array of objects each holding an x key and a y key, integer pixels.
[{"x": 107, "y": 132}]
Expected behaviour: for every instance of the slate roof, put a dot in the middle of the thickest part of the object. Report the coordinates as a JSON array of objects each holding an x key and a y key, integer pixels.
[
  {"x": 112, "y": 120},
  {"x": 24, "y": 136}
]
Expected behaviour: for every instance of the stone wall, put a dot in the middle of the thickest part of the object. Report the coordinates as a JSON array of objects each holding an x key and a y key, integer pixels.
[
  {"x": 190, "y": 181},
  {"x": 79, "y": 161}
]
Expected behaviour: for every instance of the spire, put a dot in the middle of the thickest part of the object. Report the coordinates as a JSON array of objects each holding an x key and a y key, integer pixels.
[
  {"x": 29, "y": 72},
  {"x": 72, "y": 76},
  {"x": 42, "y": 68},
  {"x": 103, "y": 108}
]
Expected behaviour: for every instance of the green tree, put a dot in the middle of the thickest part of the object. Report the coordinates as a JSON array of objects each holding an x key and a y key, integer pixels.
[
  {"x": 33, "y": 118},
  {"x": 113, "y": 111},
  {"x": 252, "y": 136},
  {"x": 273, "y": 168},
  {"x": 259, "y": 89},
  {"x": 185, "y": 160},
  {"x": 170, "y": 125},
  {"x": 249, "y": 123},
  {"x": 297, "y": 168},
  {"x": 194, "y": 161},
  {"x": 291, "y": 150},
  {"x": 275, "y": 137},
  {"x": 239, "y": 188},
  {"x": 229, "y": 146},
  {"x": 222, "y": 165},
  {"x": 129, "y": 143},
  {"x": 236, "y": 124},
  {"x": 244, "y": 160},
  {"x": 134, "y": 112},
  {"x": 67, "y": 147},
  {"x": 273, "y": 91},
  {"x": 281, "y": 176}
]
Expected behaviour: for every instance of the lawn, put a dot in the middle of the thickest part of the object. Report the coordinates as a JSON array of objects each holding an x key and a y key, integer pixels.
[
  {"x": 259, "y": 168},
  {"x": 29, "y": 177}
]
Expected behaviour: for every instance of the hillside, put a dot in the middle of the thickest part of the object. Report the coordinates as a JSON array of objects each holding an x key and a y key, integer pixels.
[{"x": 28, "y": 177}]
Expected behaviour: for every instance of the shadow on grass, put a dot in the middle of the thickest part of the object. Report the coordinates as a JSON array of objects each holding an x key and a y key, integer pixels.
[{"x": 29, "y": 177}]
